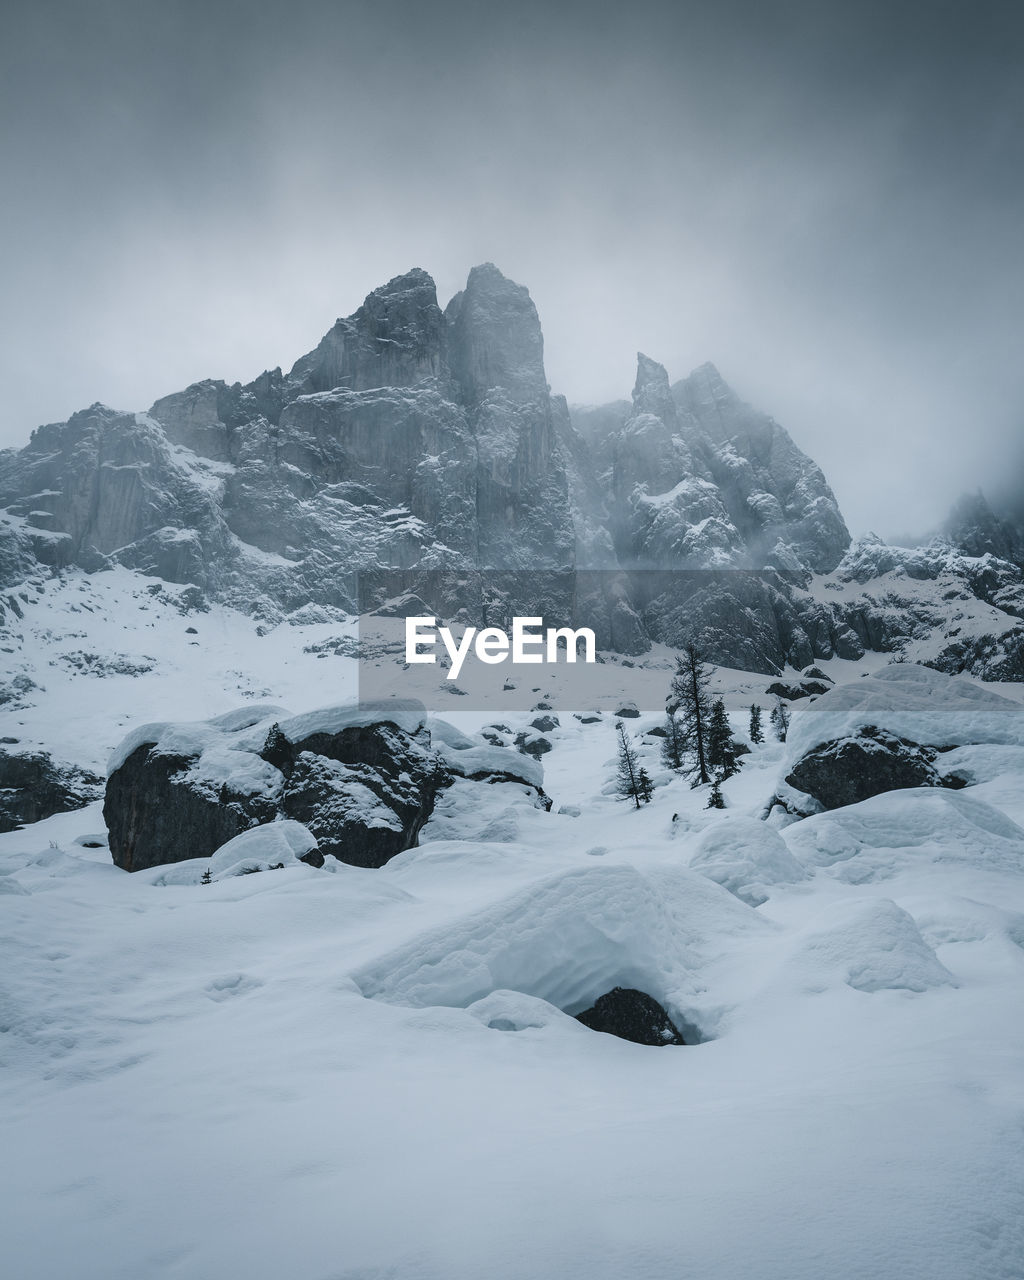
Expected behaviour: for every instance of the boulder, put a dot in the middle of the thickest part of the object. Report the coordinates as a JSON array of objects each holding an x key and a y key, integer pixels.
[
  {"x": 850, "y": 769},
  {"x": 533, "y": 744},
  {"x": 33, "y": 786},
  {"x": 544, "y": 724},
  {"x": 631, "y": 1015},
  {"x": 361, "y": 778}
]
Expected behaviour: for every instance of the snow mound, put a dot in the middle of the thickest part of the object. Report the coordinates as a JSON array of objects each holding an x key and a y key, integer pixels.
[
  {"x": 406, "y": 714},
  {"x": 493, "y": 762},
  {"x": 191, "y": 739},
  {"x": 879, "y": 837},
  {"x": 567, "y": 940},
  {"x": 746, "y": 857},
  {"x": 515, "y": 1011},
  {"x": 871, "y": 945},
  {"x": 442, "y": 731},
  {"x": 479, "y": 811},
  {"x": 274, "y": 844},
  {"x": 912, "y": 702}
]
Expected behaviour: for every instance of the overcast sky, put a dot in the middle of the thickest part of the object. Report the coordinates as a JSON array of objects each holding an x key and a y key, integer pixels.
[{"x": 826, "y": 199}]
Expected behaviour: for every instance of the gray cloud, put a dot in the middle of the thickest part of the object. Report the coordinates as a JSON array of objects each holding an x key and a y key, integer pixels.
[{"x": 823, "y": 198}]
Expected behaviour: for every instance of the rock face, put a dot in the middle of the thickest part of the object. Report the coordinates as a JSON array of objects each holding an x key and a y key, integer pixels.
[
  {"x": 408, "y": 437},
  {"x": 418, "y": 449},
  {"x": 848, "y": 770},
  {"x": 362, "y": 780},
  {"x": 631, "y": 1015},
  {"x": 698, "y": 479},
  {"x": 33, "y": 786}
]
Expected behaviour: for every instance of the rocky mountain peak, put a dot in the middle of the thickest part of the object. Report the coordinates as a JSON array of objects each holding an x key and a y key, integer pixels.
[
  {"x": 651, "y": 391},
  {"x": 495, "y": 338},
  {"x": 395, "y": 339}
]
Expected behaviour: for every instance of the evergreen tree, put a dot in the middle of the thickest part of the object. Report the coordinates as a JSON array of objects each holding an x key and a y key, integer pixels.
[
  {"x": 780, "y": 719},
  {"x": 716, "y": 800},
  {"x": 629, "y": 778},
  {"x": 721, "y": 749},
  {"x": 688, "y": 696},
  {"x": 206, "y": 876},
  {"x": 646, "y": 786},
  {"x": 756, "y": 732},
  {"x": 673, "y": 747}
]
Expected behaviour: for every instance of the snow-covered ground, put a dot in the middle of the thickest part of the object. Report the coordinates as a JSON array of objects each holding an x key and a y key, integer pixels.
[{"x": 374, "y": 1075}]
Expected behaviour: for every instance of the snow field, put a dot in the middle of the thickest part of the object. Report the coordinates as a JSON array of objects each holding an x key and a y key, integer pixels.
[{"x": 350, "y": 1074}]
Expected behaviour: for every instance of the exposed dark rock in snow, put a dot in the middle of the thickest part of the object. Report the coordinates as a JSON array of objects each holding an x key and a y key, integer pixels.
[
  {"x": 631, "y": 1015},
  {"x": 33, "y": 786},
  {"x": 364, "y": 791},
  {"x": 156, "y": 813},
  {"x": 363, "y": 780},
  {"x": 848, "y": 770},
  {"x": 792, "y": 690},
  {"x": 544, "y": 723}
]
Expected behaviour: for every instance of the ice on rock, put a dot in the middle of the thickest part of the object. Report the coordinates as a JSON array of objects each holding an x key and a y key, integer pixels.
[
  {"x": 746, "y": 857},
  {"x": 261, "y": 848},
  {"x": 568, "y": 940},
  {"x": 882, "y": 836},
  {"x": 871, "y": 945}
]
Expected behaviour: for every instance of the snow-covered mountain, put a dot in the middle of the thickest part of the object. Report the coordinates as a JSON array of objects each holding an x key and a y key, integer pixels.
[
  {"x": 422, "y": 447},
  {"x": 402, "y": 989}
]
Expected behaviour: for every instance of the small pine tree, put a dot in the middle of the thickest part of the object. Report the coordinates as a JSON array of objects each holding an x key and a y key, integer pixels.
[
  {"x": 716, "y": 800},
  {"x": 673, "y": 747},
  {"x": 721, "y": 748},
  {"x": 688, "y": 695},
  {"x": 780, "y": 719},
  {"x": 628, "y": 771},
  {"x": 206, "y": 876},
  {"x": 646, "y": 786},
  {"x": 756, "y": 732}
]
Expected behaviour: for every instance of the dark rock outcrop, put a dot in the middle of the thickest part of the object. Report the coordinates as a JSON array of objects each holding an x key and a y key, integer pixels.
[
  {"x": 157, "y": 811},
  {"x": 848, "y": 770},
  {"x": 631, "y": 1015},
  {"x": 362, "y": 780},
  {"x": 33, "y": 786}
]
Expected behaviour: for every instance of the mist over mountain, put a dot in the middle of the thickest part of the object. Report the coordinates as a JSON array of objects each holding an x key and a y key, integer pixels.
[{"x": 422, "y": 449}]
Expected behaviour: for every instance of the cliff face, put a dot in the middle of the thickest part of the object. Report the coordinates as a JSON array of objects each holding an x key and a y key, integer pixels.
[
  {"x": 427, "y": 442},
  {"x": 695, "y": 478},
  {"x": 408, "y": 438}
]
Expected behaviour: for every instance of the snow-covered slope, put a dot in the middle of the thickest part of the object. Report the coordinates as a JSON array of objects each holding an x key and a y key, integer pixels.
[{"x": 344, "y": 1072}]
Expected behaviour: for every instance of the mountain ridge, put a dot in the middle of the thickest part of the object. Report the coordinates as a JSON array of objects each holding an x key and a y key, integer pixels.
[{"x": 423, "y": 445}]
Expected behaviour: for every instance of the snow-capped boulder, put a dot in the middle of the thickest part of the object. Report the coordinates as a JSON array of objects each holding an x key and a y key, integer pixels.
[
  {"x": 35, "y": 786},
  {"x": 883, "y": 732},
  {"x": 848, "y": 770},
  {"x": 361, "y": 777},
  {"x": 266, "y": 848},
  {"x": 570, "y": 938}
]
